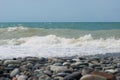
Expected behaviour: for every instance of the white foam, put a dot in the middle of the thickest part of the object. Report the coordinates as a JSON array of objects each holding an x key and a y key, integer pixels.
[
  {"x": 15, "y": 28},
  {"x": 51, "y": 45}
]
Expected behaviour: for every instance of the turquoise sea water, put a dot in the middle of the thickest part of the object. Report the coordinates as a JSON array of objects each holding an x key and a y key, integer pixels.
[
  {"x": 45, "y": 39},
  {"x": 65, "y": 25}
]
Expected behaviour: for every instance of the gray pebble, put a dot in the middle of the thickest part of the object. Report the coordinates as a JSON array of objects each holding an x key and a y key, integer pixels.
[{"x": 14, "y": 72}]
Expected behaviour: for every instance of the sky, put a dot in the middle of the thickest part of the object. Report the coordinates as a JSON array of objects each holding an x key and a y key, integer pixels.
[{"x": 59, "y": 10}]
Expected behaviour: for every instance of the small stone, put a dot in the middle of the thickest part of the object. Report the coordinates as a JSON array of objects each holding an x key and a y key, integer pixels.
[
  {"x": 11, "y": 65},
  {"x": 66, "y": 64},
  {"x": 58, "y": 78},
  {"x": 1, "y": 62},
  {"x": 22, "y": 77},
  {"x": 92, "y": 77},
  {"x": 106, "y": 75},
  {"x": 113, "y": 71},
  {"x": 118, "y": 78},
  {"x": 73, "y": 76},
  {"x": 23, "y": 68},
  {"x": 76, "y": 60},
  {"x": 94, "y": 65},
  {"x": 98, "y": 68},
  {"x": 82, "y": 58},
  {"x": 29, "y": 65},
  {"x": 1, "y": 69},
  {"x": 6, "y": 62},
  {"x": 7, "y": 79},
  {"x": 14, "y": 78},
  {"x": 32, "y": 59},
  {"x": 58, "y": 68},
  {"x": 44, "y": 77},
  {"x": 52, "y": 60},
  {"x": 86, "y": 70},
  {"x": 57, "y": 64},
  {"x": 62, "y": 74},
  {"x": 68, "y": 71},
  {"x": 14, "y": 72},
  {"x": 32, "y": 78},
  {"x": 49, "y": 73},
  {"x": 118, "y": 65},
  {"x": 42, "y": 59},
  {"x": 107, "y": 68}
]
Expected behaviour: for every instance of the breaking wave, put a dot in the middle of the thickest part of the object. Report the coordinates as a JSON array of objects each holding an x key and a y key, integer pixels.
[
  {"x": 52, "y": 45},
  {"x": 17, "y": 32}
]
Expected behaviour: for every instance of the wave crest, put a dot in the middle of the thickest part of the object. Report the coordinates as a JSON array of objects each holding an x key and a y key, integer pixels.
[
  {"x": 16, "y": 28},
  {"x": 55, "y": 41},
  {"x": 52, "y": 45},
  {"x": 21, "y": 31}
]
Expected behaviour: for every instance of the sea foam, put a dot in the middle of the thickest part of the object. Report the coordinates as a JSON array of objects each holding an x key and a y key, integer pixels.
[
  {"x": 52, "y": 46},
  {"x": 16, "y": 28}
]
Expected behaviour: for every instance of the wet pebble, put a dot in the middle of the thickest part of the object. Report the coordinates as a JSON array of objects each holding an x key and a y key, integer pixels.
[
  {"x": 22, "y": 77},
  {"x": 93, "y": 77},
  {"x": 73, "y": 76},
  {"x": 58, "y": 68},
  {"x": 14, "y": 72}
]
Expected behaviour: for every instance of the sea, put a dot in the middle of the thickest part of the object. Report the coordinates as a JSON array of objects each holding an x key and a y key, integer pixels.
[{"x": 58, "y": 39}]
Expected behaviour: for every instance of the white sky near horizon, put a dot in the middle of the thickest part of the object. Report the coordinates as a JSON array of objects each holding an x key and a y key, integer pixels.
[{"x": 59, "y": 10}]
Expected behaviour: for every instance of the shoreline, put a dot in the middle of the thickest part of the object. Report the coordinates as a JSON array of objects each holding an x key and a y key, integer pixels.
[{"x": 60, "y": 68}]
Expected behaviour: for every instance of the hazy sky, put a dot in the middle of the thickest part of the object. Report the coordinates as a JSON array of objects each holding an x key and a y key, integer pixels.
[{"x": 59, "y": 10}]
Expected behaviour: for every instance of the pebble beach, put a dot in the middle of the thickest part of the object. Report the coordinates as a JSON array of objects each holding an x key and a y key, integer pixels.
[
  {"x": 92, "y": 67},
  {"x": 60, "y": 40}
]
